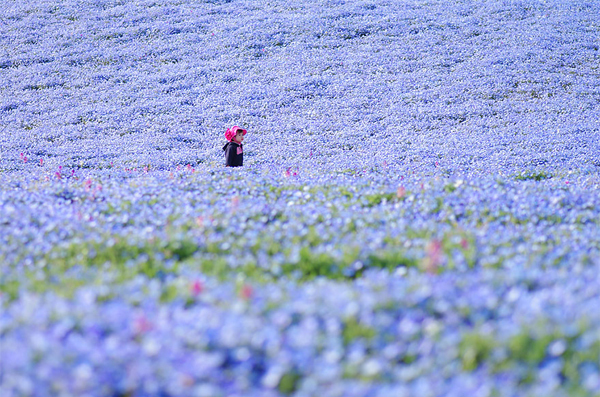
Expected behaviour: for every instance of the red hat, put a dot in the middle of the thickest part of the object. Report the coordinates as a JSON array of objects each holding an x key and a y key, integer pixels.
[{"x": 230, "y": 133}]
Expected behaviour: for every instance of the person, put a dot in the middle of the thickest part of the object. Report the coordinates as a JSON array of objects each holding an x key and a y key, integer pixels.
[{"x": 234, "y": 151}]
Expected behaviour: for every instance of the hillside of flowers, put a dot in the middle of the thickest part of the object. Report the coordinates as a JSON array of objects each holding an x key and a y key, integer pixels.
[{"x": 418, "y": 213}]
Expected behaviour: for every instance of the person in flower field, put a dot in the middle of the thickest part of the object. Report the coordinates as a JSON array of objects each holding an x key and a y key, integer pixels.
[{"x": 234, "y": 151}]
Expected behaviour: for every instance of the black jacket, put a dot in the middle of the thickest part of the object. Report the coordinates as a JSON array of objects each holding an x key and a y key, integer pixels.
[{"x": 234, "y": 154}]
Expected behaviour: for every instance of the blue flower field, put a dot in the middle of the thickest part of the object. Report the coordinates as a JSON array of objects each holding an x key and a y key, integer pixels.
[{"x": 418, "y": 213}]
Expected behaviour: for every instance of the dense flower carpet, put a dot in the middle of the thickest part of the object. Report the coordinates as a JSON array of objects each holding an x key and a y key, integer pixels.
[{"x": 418, "y": 213}]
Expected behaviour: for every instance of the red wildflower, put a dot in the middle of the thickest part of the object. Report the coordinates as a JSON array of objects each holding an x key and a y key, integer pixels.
[
  {"x": 197, "y": 288},
  {"x": 246, "y": 292}
]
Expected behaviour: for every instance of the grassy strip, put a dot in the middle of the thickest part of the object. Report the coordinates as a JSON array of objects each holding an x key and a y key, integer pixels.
[{"x": 120, "y": 259}]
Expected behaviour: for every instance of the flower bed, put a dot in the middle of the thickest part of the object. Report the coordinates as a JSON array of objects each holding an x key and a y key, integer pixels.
[{"x": 417, "y": 213}]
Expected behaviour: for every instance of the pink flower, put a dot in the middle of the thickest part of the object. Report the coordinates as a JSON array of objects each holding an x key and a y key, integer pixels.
[
  {"x": 197, "y": 288},
  {"x": 235, "y": 202},
  {"x": 433, "y": 259},
  {"x": 246, "y": 292},
  {"x": 400, "y": 192},
  {"x": 142, "y": 325}
]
